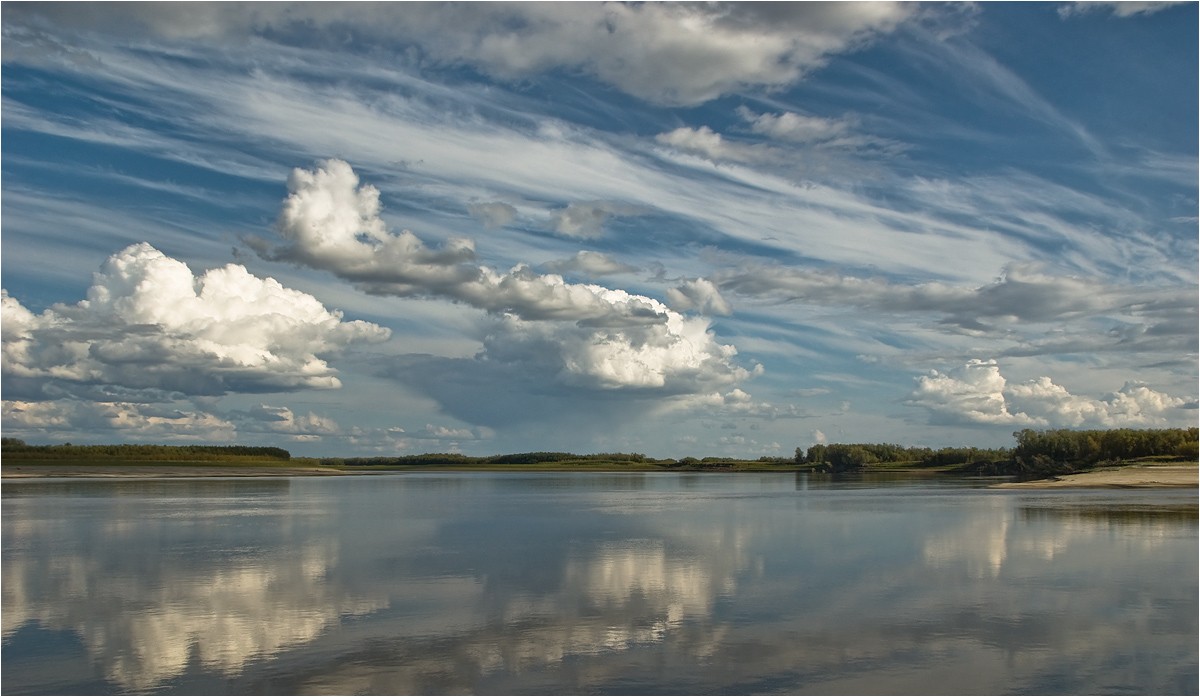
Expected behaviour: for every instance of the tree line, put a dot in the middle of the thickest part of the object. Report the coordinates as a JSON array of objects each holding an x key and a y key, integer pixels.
[
  {"x": 18, "y": 447},
  {"x": 532, "y": 458},
  {"x": 838, "y": 457},
  {"x": 1036, "y": 452},
  {"x": 1089, "y": 448}
]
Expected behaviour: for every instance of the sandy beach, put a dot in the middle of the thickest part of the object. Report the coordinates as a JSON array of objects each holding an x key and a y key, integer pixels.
[{"x": 1130, "y": 476}]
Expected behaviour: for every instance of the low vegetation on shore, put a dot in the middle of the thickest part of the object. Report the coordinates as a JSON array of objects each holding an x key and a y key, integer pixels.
[{"x": 1037, "y": 454}]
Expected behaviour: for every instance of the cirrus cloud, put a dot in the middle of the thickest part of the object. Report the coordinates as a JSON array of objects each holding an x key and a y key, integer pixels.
[
  {"x": 1118, "y": 9},
  {"x": 667, "y": 53}
]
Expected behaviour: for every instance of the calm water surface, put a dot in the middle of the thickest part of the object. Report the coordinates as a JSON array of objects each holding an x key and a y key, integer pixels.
[{"x": 594, "y": 584}]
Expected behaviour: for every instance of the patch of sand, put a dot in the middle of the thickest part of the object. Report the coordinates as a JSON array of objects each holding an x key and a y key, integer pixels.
[{"x": 1130, "y": 476}]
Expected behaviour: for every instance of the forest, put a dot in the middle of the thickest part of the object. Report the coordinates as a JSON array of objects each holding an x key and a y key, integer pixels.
[
  {"x": 138, "y": 452},
  {"x": 1036, "y": 453}
]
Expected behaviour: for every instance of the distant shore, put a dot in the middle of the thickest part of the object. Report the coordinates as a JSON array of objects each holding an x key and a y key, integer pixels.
[{"x": 1172, "y": 475}]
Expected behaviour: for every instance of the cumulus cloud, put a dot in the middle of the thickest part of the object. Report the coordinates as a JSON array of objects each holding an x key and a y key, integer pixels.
[
  {"x": 794, "y": 127},
  {"x": 711, "y": 145},
  {"x": 546, "y": 343},
  {"x": 495, "y": 214},
  {"x": 818, "y": 132},
  {"x": 668, "y": 53},
  {"x": 586, "y": 220},
  {"x": 792, "y": 138},
  {"x": 331, "y": 222},
  {"x": 148, "y": 323},
  {"x": 447, "y": 433},
  {"x": 678, "y": 355},
  {"x": 588, "y": 263},
  {"x": 977, "y": 393},
  {"x": 583, "y": 334},
  {"x": 973, "y": 393},
  {"x": 700, "y": 295}
]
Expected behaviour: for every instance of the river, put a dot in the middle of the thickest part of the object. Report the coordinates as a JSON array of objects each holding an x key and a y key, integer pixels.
[{"x": 560, "y": 583}]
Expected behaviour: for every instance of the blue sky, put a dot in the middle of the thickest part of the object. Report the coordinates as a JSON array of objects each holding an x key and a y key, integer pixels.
[{"x": 673, "y": 229}]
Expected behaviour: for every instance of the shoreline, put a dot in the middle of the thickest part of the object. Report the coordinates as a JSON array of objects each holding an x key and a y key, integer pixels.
[{"x": 1140, "y": 476}]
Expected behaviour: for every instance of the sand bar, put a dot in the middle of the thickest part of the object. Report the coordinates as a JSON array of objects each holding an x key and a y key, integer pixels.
[{"x": 1130, "y": 476}]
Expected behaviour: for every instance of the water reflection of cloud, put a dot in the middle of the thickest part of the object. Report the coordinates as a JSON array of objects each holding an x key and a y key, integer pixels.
[
  {"x": 1044, "y": 530},
  {"x": 617, "y": 572},
  {"x": 980, "y": 544},
  {"x": 556, "y": 593},
  {"x": 147, "y": 630}
]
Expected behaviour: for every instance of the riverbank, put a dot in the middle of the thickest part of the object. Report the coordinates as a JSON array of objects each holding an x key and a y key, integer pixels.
[{"x": 1127, "y": 477}]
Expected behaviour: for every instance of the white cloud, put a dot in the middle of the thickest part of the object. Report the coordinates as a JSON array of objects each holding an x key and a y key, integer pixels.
[
  {"x": 973, "y": 393},
  {"x": 679, "y": 355},
  {"x": 447, "y": 433},
  {"x": 816, "y": 132},
  {"x": 699, "y": 294},
  {"x": 149, "y": 323},
  {"x": 588, "y": 263},
  {"x": 549, "y": 343},
  {"x": 495, "y": 214},
  {"x": 614, "y": 339},
  {"x": 711, "y": 145},
  {"x": 282, "y": 420},
  {"x": 585, "y": 220},
  {"x": 331, "y": 222},
  {"x": 794, "y": 127},
  {"x": 734, "y": 404},
  {"x": 978, "y": 393},
  {"x": 133, "y": 421}
]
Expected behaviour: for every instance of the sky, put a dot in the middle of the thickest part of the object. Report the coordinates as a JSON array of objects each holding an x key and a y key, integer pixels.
[{"x": 667, "y": 228}]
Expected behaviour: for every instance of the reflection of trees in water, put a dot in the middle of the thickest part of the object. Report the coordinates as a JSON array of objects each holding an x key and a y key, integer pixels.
[
  {"x": 181, "y": 489},
  {"x": 1156, "y": 517}
]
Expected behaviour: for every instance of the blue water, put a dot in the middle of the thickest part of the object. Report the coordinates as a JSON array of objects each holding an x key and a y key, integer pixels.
[{"x": 595, "y": 584}]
